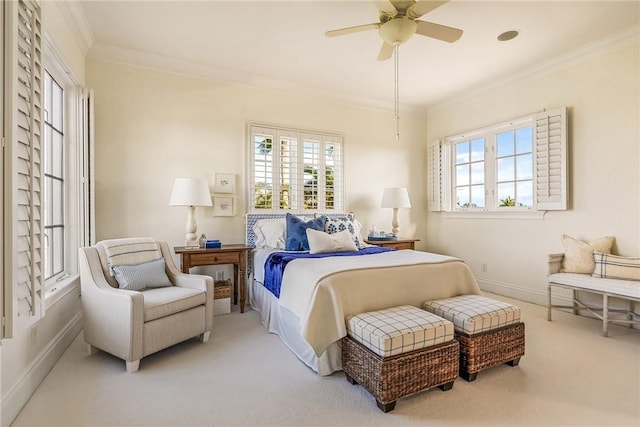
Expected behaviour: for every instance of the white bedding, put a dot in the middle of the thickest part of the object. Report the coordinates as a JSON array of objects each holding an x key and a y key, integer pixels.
[{"x": 322, "y": 292}]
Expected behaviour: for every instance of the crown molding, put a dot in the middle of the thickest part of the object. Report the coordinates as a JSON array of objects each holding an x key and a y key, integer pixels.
[
  {"x": 114, "y": 54},
  {"x": 614, "y": 42},
  {"x": 77, "y": 22}
]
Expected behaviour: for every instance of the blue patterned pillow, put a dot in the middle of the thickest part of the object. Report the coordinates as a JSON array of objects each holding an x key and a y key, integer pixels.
[
  {"x": 297, "y": 232},
  {"x": 341, "y": 223},
  {"x": 142, "y": 276}
]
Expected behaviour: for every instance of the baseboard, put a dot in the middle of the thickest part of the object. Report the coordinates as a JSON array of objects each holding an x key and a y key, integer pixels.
[
  {"x": 19, "y": 394},
  {"x": 510, "y": 290}
]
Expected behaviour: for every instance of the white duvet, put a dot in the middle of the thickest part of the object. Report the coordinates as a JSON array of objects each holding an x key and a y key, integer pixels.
[{"x": 322, "y": 292}]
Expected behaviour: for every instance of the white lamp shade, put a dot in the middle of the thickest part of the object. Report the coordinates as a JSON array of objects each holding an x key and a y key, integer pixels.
[
  {"x": 190, "y": 192},
  {"x": 395, "y": 197}
]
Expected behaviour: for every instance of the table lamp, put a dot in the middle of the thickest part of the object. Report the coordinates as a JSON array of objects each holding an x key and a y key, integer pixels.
[
  {"x": 395, "y": 197},
  {"x": 190, "y": 192}
]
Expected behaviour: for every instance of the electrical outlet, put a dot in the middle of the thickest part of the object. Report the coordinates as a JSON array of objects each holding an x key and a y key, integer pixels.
[{"x": 484, "y": 268}]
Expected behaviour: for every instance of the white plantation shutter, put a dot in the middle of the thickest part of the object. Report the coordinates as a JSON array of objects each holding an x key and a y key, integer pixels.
[
  {"x": 24, "y": 152},
  {"x": 550, "y": 139},
  {"x": 439, "y": 176},
  {"x": 277, "y": 170}
]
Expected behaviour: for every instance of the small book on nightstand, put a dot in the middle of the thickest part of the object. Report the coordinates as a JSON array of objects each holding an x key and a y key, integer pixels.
[{"x": 212, "y": 244}]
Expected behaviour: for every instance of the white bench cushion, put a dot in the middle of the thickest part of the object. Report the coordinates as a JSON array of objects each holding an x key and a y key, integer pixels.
[
  {"x": 399, "y": 330},
  {"x": 628, "y": 288},
  {"x": 473, "y": 314}
]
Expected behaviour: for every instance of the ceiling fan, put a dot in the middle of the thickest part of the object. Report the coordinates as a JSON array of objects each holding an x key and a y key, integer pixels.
[{"x": 399, "y": 21}]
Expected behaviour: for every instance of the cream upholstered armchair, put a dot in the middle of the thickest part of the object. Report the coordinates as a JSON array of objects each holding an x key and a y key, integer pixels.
[{"x": 135, "y": 302}]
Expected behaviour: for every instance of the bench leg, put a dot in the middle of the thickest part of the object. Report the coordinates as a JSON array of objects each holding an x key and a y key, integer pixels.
[
  {"x": 575, "y": 304},
  {"x": 549, "y": 303},
  {"x": 513, "y": 362},
  {"x": 468, "y": 376},
  {"x": 605, "y": 315},
  {"x": 446, "y": 386}
]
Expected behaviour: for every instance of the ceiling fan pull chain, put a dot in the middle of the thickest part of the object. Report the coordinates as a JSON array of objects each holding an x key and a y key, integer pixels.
[{"x": 397, "y": 100}]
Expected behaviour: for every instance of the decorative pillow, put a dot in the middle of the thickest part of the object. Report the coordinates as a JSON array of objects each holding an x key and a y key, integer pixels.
[
  {"x": 297, "y": 232},
  {"x": 320, "y": 242},
  {"x": 342, "y": 223},
  {"x": 616, "y": 267},
  {"x": 270, "y": 233},
  {"x": 578, "y": 256},
  {"x": 141, "y": 276}
]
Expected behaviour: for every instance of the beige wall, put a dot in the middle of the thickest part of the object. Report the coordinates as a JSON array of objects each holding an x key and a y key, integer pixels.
[
  {"x": 152, "y": 127},
  {"x": 602, "y": 94}
]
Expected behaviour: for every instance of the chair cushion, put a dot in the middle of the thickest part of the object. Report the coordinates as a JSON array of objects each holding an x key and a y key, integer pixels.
[
  {"x": 130, "y": 251},
  {"x": 162, "y": 302},
  {"x": 398, "y": 330},
  {"x": 473, "y": 314}
]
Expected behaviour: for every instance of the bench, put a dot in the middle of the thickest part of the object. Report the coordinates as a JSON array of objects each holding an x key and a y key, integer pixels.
[{"x": 628, "y": 290}]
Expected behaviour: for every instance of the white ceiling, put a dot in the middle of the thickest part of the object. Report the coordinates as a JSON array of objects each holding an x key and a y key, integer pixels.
[{"x": 281, "y": 44}]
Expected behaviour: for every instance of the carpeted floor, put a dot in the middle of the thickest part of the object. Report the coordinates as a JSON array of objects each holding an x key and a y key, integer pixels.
[{"x": 569, "y": 376}]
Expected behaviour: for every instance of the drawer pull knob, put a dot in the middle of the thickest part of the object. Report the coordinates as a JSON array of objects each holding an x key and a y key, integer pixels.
[{"x": 215, "y": 259}]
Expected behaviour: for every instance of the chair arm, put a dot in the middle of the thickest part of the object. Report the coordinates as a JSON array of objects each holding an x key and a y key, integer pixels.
[
  {"x": 113, "y": 318},
  {"x": 555, "y": 263}
]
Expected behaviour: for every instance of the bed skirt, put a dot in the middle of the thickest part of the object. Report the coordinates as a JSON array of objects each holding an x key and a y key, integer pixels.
[{"x": 284, "y": 323}]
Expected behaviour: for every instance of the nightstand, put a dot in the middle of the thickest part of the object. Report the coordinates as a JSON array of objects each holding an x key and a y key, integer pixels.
[
  {"x": 399, "y": 243},
  {"x": 227, "y": 254}
]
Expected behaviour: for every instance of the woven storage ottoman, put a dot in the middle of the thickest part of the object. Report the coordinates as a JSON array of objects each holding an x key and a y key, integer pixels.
[
  {"x": 490, "y": 332},
  {"x": 399, "y": 351}
]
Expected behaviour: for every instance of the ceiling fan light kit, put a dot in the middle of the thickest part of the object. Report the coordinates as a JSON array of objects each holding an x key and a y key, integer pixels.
[{"x": 398, "y": 31}]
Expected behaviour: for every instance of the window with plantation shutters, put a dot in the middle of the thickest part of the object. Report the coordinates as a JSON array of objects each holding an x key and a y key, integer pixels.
[
  {"x": 23, "y": 156},
  {"x": 294, "y": 171},
  {"x": 516, "y": 166},
  {"x": 551, "y": 160}
]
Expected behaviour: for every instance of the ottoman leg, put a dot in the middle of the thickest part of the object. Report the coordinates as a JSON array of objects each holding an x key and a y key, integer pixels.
[
  {"x": 446, "y": 386},
  {"x": 351, "y": 380},
  {"x": 468, "y": 376},
  {"x": 513, "y": 362},
  {"x": 386, "y": 407}
]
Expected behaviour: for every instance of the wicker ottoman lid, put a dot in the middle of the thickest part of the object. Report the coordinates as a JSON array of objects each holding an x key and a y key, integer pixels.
[
  {"x": 399, "y": 330},
  {"x": 473, "y": 314}
]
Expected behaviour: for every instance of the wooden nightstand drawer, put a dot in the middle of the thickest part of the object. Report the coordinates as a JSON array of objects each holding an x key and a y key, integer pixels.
[
  {"x": 215, "y": 258},
  {"x": 401, "y": 245},
  {"x": 395, "y": 244}
]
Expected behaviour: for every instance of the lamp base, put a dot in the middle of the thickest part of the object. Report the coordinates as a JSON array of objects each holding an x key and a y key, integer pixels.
[{"x": 191, "y": 243}]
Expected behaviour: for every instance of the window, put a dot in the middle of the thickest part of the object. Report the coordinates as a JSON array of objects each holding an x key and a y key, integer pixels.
[
  {"x": 294, "y": 170},
  {"x": 514, "y": 166},
  {"x": 53, "y": 180}
]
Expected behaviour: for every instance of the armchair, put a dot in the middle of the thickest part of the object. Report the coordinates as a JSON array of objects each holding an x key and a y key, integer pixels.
[{"x": 132, "y": 324}]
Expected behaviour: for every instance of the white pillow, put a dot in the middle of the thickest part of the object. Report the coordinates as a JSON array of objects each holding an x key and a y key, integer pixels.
[
  {"x": 271, "y": 233},
  {"x": 578, "y": 255},
  {"x": 321, "y": 242}
]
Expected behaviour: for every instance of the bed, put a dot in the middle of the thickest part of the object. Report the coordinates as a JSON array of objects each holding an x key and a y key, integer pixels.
[{"x": 316, "y": 294}]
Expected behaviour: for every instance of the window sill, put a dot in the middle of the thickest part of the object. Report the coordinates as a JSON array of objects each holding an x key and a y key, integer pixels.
[
  {"x": 536, "y": 215},
  {"x": 58, "y": 290}
]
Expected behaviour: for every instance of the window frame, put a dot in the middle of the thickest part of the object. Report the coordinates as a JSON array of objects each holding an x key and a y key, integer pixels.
[
  {"x": 297, "y": 185},
  {"x": 549, "y": 164}
]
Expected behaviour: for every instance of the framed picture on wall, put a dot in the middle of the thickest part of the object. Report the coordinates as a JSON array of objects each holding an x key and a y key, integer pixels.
[
  {"x": 224, "y": 183},
  {"x": 223, "y": 206}
]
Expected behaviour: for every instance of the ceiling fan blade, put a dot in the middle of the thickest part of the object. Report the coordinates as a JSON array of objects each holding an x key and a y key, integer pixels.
[
  {"x": 423, "y": 7},
  {"x": 386, "y": 51},
  {"x": 437, "y": 31},
  {"x": 386, "y": 7},
  {"x": 349, "y": 30}
]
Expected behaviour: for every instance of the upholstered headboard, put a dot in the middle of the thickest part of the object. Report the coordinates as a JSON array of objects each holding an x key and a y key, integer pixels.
[{"x": 252, "y": 218}]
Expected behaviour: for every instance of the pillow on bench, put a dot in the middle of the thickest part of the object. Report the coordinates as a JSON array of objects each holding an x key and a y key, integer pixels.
[
  {"x": 616, "y": 267},
  {"x": 578, "y": 256}
]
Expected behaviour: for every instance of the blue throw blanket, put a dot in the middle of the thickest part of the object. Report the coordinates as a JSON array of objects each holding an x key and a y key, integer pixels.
[{"x": 276, "y": 262}]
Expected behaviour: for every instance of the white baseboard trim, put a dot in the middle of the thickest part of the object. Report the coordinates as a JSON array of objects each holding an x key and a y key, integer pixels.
[{"x": 20, "y": 393}]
